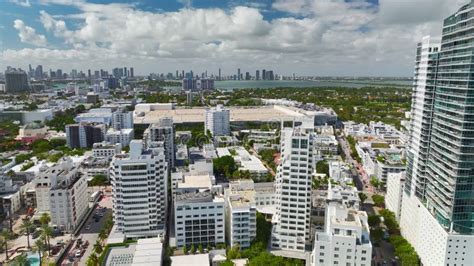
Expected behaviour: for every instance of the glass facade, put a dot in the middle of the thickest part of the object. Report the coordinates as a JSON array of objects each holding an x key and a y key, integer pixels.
[{"x": 450, "y": 169}]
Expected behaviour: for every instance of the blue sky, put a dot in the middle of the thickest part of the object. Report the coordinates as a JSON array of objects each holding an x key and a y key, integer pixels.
[{"x": 308, "y": 37}]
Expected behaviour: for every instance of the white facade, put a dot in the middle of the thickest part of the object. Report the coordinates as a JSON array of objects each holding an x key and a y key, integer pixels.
[
  {"x": 291, "y": 222},
  {"x": 393, "y": 198},
  {"x": 241, "y": 214},
  {"x": 122, "y": 119},
  {"x": 62, "y": 191},
  {"x": 434, "y": 245},
  {"x": 199, "y": 219},
  {"x": 140, "y": 191},
  {"x": 122, "y": 136},
  {"x": 265, "y": 197},
  {"x": 105, "y": 150},
  {"x": 217, "y": 121},
  {"x": 345, "y": 240},
  {"x": 163, "y": 131}
]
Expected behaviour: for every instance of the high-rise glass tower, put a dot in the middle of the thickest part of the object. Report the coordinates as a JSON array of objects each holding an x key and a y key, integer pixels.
[{"x": 441, "y": 147}]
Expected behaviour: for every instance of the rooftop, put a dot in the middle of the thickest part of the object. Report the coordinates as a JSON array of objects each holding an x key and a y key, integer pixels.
[
  {"x": 237, "y": 114},
  {"x": 186, "y": 260}
]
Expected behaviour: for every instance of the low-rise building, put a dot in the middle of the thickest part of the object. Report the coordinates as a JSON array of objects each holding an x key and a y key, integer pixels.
[
  {"x": 121, "y": 136},
  {"x": 31, "y": 132},
  {"x": 199, "y": 219},
  {"x": 61, "y": 190},
  {"x": 345, "y": 240},
  {"x": 106, "y": 150},
  {"x": 241, "y": 211}
]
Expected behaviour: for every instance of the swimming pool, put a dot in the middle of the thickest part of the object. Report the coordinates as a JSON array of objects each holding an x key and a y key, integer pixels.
[{"x": 34, "y": 259}]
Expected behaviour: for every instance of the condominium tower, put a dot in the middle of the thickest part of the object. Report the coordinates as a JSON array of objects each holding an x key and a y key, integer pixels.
[
  {"x": 291, "y": 222},
  {"x": 140, "y": 190},
  {"x": 163, "y": 131},
  {"x": 438, "y": 210},
  {"x": 217, "y": 121}
]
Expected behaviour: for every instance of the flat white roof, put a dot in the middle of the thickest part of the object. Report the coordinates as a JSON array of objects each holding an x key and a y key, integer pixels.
[
  {"x": 237, "y": 114},
  {"x": 196, "y": 181},
  {"x": 194, "y": 260}
]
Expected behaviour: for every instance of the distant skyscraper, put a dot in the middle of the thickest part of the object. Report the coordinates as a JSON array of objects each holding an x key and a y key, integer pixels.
[
  {"x": 264, "y": 74},
  {"x": 131, "y": 72},
  {"x": 257, "y": 75},
  {"x": 59, "y": 74},
  {"x": 16, "y": 80},
  {"x": 217, "y": 121},
  {"x": 177, "y": 76},
  {"x": 220, "y": 78},
  {"x": 238, "y": 73},
  {"x": 89, "y": 73},
  {"x": 247, "y": 76},
  {"x": 438, "y": 203},
  {"x": 125, "y": 72},
  {"x": 39, "y": 72}
]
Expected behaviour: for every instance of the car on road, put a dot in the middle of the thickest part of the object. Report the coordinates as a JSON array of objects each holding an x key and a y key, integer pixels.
[{"x": 88, "y": 227}]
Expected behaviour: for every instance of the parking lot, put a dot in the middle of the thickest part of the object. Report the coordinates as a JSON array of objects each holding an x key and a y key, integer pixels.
[{"x": 89, "y": 233}]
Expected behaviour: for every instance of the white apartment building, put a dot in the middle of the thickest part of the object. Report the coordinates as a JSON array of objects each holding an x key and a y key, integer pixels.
[
  {"x": 122, "y": 119},
  {"x": 265, "y": 197},
  {"x": 245, "y": 160},
  {"x": 163, "y": 131},
  {"x": 140, "y": 190},
  {"x": 241, "y": 219},
  {"x": 62, "y": 191},
  {"x": 291, "y": 222},
  {"x": 122, "y": 136},
  {"x": 105, "y": 150},
  {"x": 199, "y": 219},
  {"x": 217, "y": 121},
  {"x": 394, "y": 196},
  {"x": 389, "y": 162},
  {"x": 345, "y": 240}
]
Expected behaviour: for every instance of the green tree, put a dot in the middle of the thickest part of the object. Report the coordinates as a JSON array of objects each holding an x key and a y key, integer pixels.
[
  {"x": 47, "y": 234},
  {"x": 5, "y": 237},
  {"x": 374, "y": 181},
  {"x": 322, "y": 167},
  {"x": 224, "y": 165},
  {"x": 185, "y": 249},
  {"x": 234, "y": 252},
  {"x": 98, "y": 247},
  {"x": 93, "y": 260},
  {"x": 193, "y": 249},
  {"x": 362, "y": 197},
  {"x": 45, "y": 219},
  {"x": 200, "y": 249},
  {"x": 379, "y": 200},
  {"x": 40, "y": 248},
  {"x": 27, "y": 227},
  {"x": 373, "y": 221},
  {"x": 21, "y": 260},
  {"x": 99, "y": 180}
]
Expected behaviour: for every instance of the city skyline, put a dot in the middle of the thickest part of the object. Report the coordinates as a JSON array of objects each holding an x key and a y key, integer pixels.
[{"x": 335, "y": 38}]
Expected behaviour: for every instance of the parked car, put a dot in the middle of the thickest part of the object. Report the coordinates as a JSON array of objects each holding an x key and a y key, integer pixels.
[
  {"x": 78, "y": 253},
  {"x": 88, "y": 227}
]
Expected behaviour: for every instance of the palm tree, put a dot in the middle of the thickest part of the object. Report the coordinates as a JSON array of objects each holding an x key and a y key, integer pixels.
[
  {"x": 5, "y": 237},
  {"x": 98, "y": 247},
  {"x": 40, "y": 248},
  {"x": 27, "y": 227},
  {"x": 45, "y": 218},
  {"x": 93, "y": 260},
  {"x": 102, "y": 234},
  {"x": 47, "y": 233},
  {"x": 21, "y": 260}
]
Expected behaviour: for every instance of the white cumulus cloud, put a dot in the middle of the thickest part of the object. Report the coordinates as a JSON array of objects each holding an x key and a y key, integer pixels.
[
  {"x": 28, "y": 34},
  {"x": 322, "y": 37}
]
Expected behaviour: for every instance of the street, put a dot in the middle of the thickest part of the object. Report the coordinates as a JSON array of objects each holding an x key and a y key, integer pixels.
[{"x": 91, "y": 234}]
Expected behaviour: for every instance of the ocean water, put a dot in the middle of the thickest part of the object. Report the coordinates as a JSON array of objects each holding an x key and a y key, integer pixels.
[{"x": 242, "y": 84}]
